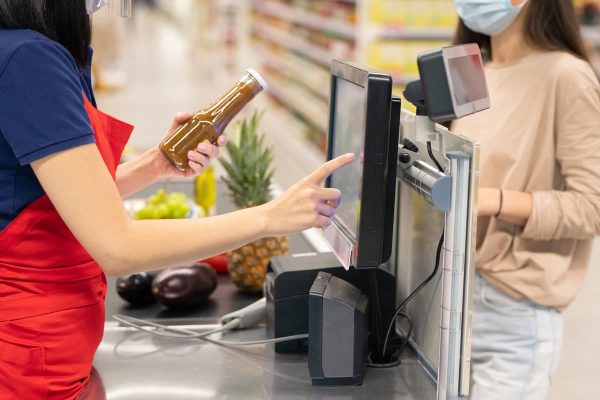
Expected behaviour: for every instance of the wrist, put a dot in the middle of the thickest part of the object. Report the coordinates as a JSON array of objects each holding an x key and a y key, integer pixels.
[
  {"x": 153, "y": 161},
  {"x": 489, "y": 202},
  {"x": 263, "y": 219},
  {"x": 500, "y": 201}
]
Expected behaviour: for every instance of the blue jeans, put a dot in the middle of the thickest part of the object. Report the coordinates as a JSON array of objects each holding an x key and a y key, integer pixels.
[{"x": 515, "y": 346}]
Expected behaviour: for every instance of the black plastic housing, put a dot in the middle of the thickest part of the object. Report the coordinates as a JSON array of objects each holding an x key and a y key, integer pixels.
[
  {"x": 288, "y": 282},
  {"x": 442, "y": 92},
  {"x": 338, "y": 322},
  {"x": 372, "y": 242}
]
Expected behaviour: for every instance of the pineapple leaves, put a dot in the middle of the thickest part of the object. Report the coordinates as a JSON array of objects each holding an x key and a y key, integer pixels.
[{"x": 249, "y": 172}]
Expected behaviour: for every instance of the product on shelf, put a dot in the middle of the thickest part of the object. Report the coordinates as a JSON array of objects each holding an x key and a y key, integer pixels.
[
  {"x": 297, "y": 39},
  {"x": 208, "y": 124},
  {"x": 399, "y": 57},
  {"x": 413, "y": 13}
]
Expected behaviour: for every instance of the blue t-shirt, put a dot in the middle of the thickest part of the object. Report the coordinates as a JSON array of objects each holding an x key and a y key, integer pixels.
[{"x": 41, "y": 112}]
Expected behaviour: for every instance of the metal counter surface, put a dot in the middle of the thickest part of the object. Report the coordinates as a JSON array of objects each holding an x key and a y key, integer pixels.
[{"x": 134, "y": 365}]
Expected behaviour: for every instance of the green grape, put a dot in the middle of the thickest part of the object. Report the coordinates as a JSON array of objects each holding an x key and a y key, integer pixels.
[
  {"x": 165, "y": 205},
  {"x": 153, "y": 200},
  {"x": 144, "y": 213},
  {"x": 155, "y": 213},
  {"x": 174, "y": 203},
  {"x": 163, "y": 210},
  {"x": 176, "y": 197},
  {"x": 178, "y": 213}
]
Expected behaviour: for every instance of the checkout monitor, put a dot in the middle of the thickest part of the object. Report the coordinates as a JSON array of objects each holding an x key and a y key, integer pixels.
[{"x": 360, "y": 119}]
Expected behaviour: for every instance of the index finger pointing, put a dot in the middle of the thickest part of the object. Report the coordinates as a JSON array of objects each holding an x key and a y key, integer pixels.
[{"x": 330, "y": 167}]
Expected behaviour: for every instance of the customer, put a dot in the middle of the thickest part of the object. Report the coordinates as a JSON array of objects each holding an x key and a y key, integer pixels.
[{"x": 539, "y": 202}]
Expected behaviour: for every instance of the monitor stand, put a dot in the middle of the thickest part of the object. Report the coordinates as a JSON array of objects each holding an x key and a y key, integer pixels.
[{"x": 287, "y": 286}]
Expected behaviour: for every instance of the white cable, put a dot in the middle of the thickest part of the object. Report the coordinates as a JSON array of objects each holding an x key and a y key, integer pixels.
[
  {"x": 182, "y": 333},
  {"x": 187, "y": 334},
  {"x": 256, "y": 342}
]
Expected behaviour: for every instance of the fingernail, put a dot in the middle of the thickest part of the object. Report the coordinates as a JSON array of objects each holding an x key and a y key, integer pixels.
[
  {"x": 202, "y": 147},
  {"x": 190, "y": 154},
  {"x": 349, "y": 156}
]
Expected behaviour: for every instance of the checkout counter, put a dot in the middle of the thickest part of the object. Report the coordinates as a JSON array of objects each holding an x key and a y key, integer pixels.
[
  {"x": 426, "y": 185},
  {"x": 134, "y": 365}
]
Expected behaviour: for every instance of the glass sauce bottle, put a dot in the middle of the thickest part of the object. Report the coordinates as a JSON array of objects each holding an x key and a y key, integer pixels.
[{"x": 208, "y": 124}]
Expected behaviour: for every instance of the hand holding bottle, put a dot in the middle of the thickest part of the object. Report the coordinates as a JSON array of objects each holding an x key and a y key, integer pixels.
[
  {"x": 307, "y": 203},
  {"x": 208, "y": 124},
  {"x": 198, "y": 159}
]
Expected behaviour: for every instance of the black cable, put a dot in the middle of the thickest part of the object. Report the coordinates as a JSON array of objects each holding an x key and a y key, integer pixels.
[
  {"x": 398, "y": 353},
  {"x": 414, "y": 293},
  {"x": 435, "y": 161}
]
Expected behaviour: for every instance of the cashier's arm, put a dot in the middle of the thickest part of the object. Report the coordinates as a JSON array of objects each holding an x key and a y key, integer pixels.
[{"x": 88, "y": 201}]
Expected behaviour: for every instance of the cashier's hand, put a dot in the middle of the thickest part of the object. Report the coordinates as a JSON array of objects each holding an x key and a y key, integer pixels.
[
  {"x": 198, "y": 159},
  {"x": 307, "y": 203}
]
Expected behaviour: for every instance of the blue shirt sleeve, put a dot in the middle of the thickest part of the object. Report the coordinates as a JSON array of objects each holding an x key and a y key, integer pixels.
[{"x": 41, "y": 102}]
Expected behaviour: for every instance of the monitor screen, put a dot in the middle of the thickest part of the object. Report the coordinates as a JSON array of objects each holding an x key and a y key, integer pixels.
[
  {"x": 462, "y": 71},
  {"x": 348, "y": 137},
  {"x": 359, "y": 122}
]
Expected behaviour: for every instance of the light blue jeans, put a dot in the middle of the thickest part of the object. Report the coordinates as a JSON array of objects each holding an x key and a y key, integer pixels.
[{"x": 515, "y": 346}]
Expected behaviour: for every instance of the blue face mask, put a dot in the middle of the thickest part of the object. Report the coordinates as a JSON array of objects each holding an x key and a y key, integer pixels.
[{"x": 490, "y": 17}]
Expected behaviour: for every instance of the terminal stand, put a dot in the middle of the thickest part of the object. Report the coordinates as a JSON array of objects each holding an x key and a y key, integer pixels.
[
  {"x": 449, "y": 192},
  {"x": 452, "y": 85}
]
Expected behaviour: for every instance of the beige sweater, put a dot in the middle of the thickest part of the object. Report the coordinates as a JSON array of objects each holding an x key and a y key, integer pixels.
[{"x": 541, "y": 135}]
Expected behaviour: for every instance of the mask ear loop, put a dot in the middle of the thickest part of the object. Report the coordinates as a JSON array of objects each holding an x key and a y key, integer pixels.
[{"x": 124, "y": 7}]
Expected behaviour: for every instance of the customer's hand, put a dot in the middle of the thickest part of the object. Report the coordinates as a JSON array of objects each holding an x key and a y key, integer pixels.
[
  {"x": 198, "y": 159},
  {"x": 307, "y": 203}
]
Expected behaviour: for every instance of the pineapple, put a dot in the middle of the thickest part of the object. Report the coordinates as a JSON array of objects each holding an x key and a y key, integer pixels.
[{"x": 248, "y": 179}]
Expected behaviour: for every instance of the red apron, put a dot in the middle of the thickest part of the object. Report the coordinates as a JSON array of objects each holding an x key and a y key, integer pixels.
[{"x": 52, "y": 292}]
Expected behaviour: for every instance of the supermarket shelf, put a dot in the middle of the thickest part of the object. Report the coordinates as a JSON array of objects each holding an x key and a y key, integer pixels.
[
  {"x": 293, "y": 43},
  {"x": 296, "y": 71},
  {"x": 302, "y": 105},
  {"x": 297, "y": 156},
  {"x": 305, "y": 18},
  {"x": 432, "y": 33}
]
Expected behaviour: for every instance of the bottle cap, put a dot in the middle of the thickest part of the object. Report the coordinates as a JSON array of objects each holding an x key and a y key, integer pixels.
[{"x": 256, "y": 76}]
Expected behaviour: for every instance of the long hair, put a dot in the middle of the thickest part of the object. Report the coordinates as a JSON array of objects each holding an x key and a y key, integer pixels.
[
  {"x": 65, "y": 21},
  {"x": 548, "y": 25}
]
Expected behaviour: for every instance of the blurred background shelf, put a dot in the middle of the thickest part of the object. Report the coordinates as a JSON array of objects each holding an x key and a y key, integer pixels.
[
  {"x": 288, "y": 41},
  {"x": 305, "y": 18},
  {"x": 400, "y": 32},
  {"x": 294, "y": 41}
]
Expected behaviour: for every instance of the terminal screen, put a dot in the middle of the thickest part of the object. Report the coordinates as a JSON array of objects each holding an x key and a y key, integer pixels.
[
  {"x": 348, "y": 137},
  {"x": 468, "y": 79}
]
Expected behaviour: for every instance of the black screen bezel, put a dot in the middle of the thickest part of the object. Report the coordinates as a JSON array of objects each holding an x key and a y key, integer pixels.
[{"x": 377, "y": 210}]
